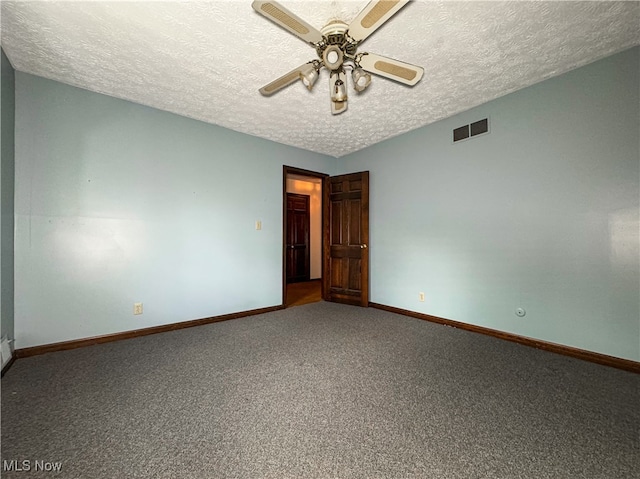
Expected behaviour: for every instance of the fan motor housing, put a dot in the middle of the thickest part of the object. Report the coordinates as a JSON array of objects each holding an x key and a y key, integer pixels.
[
  {"x": 334, "y": 27},
  {"x": 335, "y": 33}
]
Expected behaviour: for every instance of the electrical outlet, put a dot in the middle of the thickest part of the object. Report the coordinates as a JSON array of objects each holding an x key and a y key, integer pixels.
[
  {"x": 137, "y": 308},
  {"x": 421, "y": 296}
]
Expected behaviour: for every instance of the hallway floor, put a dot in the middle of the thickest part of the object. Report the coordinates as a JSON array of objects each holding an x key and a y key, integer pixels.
[{"x": 304, "y": 292}]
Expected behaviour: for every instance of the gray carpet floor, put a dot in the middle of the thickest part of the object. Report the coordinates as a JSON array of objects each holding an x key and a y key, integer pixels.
[{"x": 320, "y": 391}]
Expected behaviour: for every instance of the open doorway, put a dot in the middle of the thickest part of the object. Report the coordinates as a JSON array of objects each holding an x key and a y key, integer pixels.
[
  {"x": 302, "y": 236},
  {"x": 343, "y": 209}
]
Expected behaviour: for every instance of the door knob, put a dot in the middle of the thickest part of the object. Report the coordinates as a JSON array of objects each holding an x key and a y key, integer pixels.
[{"x": 363, "y": 246}]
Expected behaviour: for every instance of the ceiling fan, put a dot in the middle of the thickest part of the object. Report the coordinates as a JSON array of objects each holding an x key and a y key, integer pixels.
[{"x": 337, "y": 47}]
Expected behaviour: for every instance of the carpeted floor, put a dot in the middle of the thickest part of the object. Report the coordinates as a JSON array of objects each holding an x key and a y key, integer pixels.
[{"x": 320, "y": 391}]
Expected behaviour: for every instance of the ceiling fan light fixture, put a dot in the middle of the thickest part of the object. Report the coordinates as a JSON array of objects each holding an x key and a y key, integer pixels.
[
  {"x": 339, "y": 92},
  {"x": 361, "y": 79},
  {"x": 309, "y": 75}
]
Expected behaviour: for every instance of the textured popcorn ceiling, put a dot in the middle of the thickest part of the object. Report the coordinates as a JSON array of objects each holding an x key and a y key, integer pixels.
[{"x": 207, "y": 59}]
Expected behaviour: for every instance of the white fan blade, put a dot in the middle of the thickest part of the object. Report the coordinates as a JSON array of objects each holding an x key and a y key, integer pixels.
[
  {"x": 373, "y": 16},
  {"x": 283, "y": 81},
  {"x": 287, "y": 20},
  {"x": 388, "y": 67},
  {"x": 337, "y": 107}
]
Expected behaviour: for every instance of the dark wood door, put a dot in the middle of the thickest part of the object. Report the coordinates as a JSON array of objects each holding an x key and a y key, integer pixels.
[
  {"x": 297, "y": 246},
  {"x": 346, "y": 241}
]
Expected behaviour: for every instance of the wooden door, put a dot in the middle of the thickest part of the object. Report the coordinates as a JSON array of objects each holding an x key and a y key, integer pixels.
[
  {"x": 297, "y": 245},
  {"x": 346, "y": 241}
]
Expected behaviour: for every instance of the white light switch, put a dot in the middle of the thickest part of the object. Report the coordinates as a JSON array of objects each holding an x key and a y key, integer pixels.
[{"x": 258, "y": 225}]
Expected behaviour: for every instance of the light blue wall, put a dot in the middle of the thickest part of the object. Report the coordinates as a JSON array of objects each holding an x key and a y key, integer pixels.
[
  {"x": 541, "y": 213},
  {"x": 7, "y": 166},
  {"x": 118, "y": 203}
]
